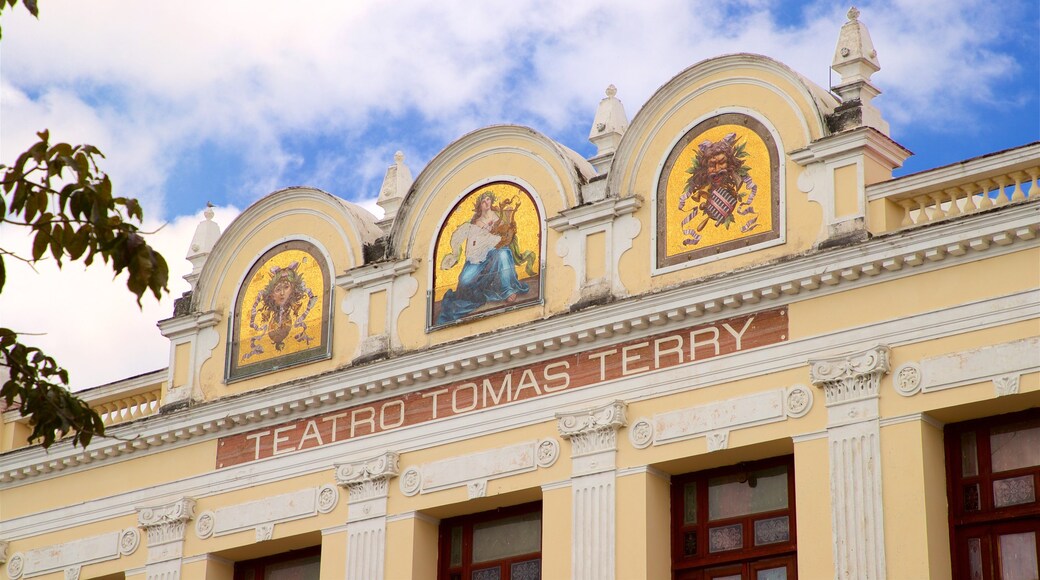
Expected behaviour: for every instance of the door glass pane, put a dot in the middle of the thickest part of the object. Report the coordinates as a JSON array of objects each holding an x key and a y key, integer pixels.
[
  {"x": 1015, "y": 446},
  {"x": 969, "y": 455},
  {"x": 529, "y": 570},
  {"x": 303, "y": 569},
  {"x": 690, "y": 544},
  {"x": 772, "y": 574},
  {"x": 1018, "y": 557},
  {"x": 507, "y": 537},
  {"x": 1013, "y": 491},
  {"x": 772, "y": 531},
  {"x": 726, "y": 538},
  {"x": 690, "y": 503},
  {"x": 747, "y": 493},
  {"x": 971, "y": 498},
  {"x": 456, "y": 546},
  {"x": 975, "y": 558},
  {"x": 487, "y": 574}
]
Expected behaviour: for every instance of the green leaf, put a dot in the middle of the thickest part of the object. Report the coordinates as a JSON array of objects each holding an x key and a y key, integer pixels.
[{"x": 40, "y": 243}]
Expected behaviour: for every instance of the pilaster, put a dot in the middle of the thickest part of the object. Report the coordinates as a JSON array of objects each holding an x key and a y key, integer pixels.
[
  {"x": 377, "y": 319},
  {"x": 593, "y": 436},
  {"x": 192, "y": 337},
  {"x": 851, "y": 385},
  {"x": 367, "y": 483},
  {"x": 596, "y": 264},
  {"x": 165, "y": 526}
]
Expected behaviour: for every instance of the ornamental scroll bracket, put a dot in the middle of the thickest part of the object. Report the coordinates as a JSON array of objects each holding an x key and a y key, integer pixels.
[
  {"x": 850, "y": 378},
  {"x": 593, "y": 430},
  {"x": 368, "y": 478},
  {"x": 165, "y": 523}
]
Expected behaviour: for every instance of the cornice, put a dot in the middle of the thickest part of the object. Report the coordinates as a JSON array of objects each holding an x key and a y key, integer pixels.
[
  {"x": 940, "y": 178},
  {"x": 595, "y": 213},
  {"x": 802, "y": 277},
  {"x": 973, "y": 316},
  {"x": 370, "y": 274}
]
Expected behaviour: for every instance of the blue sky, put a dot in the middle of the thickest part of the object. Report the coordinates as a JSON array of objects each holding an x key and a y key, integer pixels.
[{"x": 200, "y": 101}]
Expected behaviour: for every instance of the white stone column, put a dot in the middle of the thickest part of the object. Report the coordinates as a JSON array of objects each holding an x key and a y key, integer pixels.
[
  {"x": 851, "y": 384},
  {"x": 593, "y": 436},
  {"x": 368, "y": 484},
  {"x": 165, "y": 527}
]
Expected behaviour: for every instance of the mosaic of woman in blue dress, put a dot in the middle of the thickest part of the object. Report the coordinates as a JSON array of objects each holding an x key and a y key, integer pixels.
[{"x": 489, "y": 273}]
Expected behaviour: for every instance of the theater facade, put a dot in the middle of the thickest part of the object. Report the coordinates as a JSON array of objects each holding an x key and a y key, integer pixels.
[{"x": 730, "y": 345}]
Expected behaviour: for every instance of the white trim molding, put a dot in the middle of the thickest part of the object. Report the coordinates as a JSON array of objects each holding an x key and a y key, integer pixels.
[
  {"x": 593, "y": 436},
  {"x": 165, "y": 526},
  {"x": 851, "y": 385},
  {"x": 368, "y": 485}
]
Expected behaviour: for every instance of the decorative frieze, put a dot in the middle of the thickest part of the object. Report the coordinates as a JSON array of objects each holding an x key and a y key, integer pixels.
[
  {"x": 714, "y": 421},
  {"x": 849, "y": 378},
  {"x": 475, "y": 469},
  {"x": 70, "y": 557},
  {"x": 1000, "y": 363},
  {"x": 261, "y": 515}
]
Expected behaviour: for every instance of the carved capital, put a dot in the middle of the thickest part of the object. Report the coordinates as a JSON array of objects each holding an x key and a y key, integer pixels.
[
  {"x": 593, "y": 430},
  {"x": 166, "y": 523},
  {"x": 3, "y": 552},
  {"x": 368, "y": 478},
  {"x": 853, "y": 377}
]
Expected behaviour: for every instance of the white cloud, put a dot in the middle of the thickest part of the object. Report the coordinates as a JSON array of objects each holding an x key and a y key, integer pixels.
[
  {"x": 88, "y": 321},
  {"x": 149, "y": 83}
]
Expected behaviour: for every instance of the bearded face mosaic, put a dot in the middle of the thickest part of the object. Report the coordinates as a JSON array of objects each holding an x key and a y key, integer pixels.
[
  {"x": 719, "y": 191},
  {"x": 282, "y": 314},
  {"x": 487, "y": 256}
]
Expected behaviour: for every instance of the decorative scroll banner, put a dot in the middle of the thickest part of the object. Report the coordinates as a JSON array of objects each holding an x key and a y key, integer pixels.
[
  {"x": 282, "y": 313},
  {"x": 634, "y": 357},
  {"x": 719, "y": 191}
]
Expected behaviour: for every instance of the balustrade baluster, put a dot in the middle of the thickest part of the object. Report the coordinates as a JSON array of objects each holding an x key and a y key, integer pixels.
[
  {"x": 906, "y": 204},
  {"x": 986, "y": 202},
  {"x": 1034, "y": 172},
  {"x": 1002, "y": 183},
  {"x": 939, "y": 212},
  {"x": 955, "y": 209},
  {"x": 969, "y": 202},
  {"x": 1019, "y": 177},
  {"x": 922, "y": 214}
]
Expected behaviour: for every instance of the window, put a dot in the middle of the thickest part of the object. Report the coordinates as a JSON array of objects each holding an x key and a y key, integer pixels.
[
  {"x": 504, "y": 544},
  {"x": 296, "y": 565},
  {"x": 735, "y": 523},
  {"x": 993, "y": 472}
]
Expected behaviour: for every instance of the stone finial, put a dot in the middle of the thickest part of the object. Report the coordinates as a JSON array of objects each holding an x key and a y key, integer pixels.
[
  {"x": 396, "y": 183},
  {"x": 608, "y": 126},
  {"x": 854, "y": 56},
  {"x": 206, "y": 235},
  {"x": 855, "y": 61}
]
